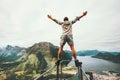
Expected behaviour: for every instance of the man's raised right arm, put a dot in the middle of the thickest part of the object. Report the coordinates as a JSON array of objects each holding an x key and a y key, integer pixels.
[{"x": 53, "y": 19}]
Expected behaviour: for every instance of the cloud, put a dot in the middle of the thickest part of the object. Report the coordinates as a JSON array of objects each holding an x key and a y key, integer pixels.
[{"x": 25, "y": 22}]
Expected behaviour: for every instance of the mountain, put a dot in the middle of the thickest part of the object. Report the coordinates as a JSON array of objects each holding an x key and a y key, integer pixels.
[
  {"x": 40, "y": 57},
  {"x": 87, "y": 52},
  {"x": 48, "y": 50},
  {"x": 93, "y": 52},
  {"x": 108, "y": 56},
  {"x": 10, "y": 53},
  {"x": 114, "y": 53}
]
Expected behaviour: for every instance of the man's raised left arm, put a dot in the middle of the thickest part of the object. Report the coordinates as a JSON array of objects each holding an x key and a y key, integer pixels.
[{"x": 79, "y": 17}]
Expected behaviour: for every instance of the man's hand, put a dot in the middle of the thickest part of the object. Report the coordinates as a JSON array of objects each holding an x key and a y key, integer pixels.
[
  {"x": 84, "y": 13},
  {"x": 49, "y": 16}
]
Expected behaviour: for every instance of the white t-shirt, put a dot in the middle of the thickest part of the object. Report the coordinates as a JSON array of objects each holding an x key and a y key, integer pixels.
[{"x": 67, "y": 26}]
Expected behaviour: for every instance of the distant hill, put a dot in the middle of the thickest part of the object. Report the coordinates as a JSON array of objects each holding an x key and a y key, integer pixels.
[
  {"x": 111, "y": 56},
  {"x": 87, "y": 52},
  {"x": 91, "y": 52},
  {"x": 108, "y": 56},
  {"x": 10, "y": 53}
]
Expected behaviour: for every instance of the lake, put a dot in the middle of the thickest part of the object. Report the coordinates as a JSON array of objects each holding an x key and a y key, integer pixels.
[{"x": 98, "y": 65}]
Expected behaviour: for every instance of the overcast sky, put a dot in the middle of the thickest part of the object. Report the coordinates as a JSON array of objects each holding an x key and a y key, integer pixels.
[{"x": 25, "y": 22}]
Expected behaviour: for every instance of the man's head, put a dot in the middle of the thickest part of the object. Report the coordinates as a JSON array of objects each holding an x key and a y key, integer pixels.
[{"x": 65, "y": 19}]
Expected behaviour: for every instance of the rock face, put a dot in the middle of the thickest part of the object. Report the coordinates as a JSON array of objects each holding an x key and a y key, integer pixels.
[
  {"x": 46, "y": 49},
  {"x": 108, "y": 76}
]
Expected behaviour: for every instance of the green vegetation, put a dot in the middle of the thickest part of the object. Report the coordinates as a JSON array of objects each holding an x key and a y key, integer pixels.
[{"x": 38, "y": 59}]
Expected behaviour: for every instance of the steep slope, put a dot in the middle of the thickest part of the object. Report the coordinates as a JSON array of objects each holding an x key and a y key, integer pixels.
[
  {"x": 48, "y": 51},
  {"x": 40, "y": 57}
]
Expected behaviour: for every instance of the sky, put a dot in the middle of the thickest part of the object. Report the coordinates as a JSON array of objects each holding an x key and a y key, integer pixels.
[{"x": 24, "y": 23}]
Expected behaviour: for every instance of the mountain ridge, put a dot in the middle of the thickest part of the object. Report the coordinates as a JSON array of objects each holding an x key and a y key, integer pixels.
[
  {"x": 38, "y": 58},
  {"x": 10, "y": 53},
  {"x": 108, "y": 56},
  {"x": 94, "y": 52}
]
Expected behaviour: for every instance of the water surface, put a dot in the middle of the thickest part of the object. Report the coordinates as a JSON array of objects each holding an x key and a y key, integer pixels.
[{"x": 94, "y": 64}]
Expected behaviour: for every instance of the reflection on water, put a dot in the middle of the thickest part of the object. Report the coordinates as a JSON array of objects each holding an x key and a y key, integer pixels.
[{"x": 94, "y": 64}]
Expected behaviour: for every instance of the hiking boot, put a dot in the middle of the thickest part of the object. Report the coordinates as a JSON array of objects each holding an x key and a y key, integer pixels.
[{"x": 76, "y": 63}]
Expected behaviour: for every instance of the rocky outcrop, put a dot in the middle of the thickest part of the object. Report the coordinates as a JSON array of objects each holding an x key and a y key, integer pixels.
[{"x": 107, "y": 76}]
